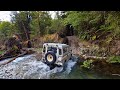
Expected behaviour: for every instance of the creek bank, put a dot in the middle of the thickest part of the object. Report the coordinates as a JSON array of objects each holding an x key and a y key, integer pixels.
[{"x": 100, "y": 66}]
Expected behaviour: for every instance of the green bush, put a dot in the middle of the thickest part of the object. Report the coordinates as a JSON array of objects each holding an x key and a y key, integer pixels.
[
  {"x": 87, "y": 64},
  {"x": 114, "y": 59},
  {"x": 1, "y": 52}
]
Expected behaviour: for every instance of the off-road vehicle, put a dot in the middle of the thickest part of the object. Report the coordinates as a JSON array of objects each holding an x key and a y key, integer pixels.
[{"x": 56, "y": 53}]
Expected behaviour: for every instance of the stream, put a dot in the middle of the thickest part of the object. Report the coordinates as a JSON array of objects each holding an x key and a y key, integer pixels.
[
  {"x": 78, "y": 72},
  {"x": 28, "y": 67}
]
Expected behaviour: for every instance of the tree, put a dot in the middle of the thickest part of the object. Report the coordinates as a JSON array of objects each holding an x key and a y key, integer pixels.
[
  {"x": 6, "y": 29},
  {"x": 22, "y": 21},
  {"x": 41, "y": 22}
]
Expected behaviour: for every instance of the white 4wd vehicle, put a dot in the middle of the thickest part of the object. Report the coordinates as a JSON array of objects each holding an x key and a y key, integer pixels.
[{"x": 56, "y": 53}]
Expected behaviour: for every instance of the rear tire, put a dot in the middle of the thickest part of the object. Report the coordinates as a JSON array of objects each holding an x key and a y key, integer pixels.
[{"x": 50, "y": 58}]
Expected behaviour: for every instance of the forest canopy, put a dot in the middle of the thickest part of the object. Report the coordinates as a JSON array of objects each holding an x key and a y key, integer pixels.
[{"x": 88, "y": 25}]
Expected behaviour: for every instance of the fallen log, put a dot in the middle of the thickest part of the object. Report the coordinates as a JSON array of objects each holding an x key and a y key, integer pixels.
[
  {"x": 28, "y": 51},
  {"x": 2, "y": 57},
  {"x": 116, "y": 74},
  {"x": 24, "y": 53},
  {"x": 93, "y": 57}
]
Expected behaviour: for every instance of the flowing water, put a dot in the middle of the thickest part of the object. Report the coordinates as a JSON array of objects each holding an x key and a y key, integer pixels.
[
  {"x": 74, "y": 71},
  {"x": 80, "y": 73},
  {"x": 28, "y": 67}
]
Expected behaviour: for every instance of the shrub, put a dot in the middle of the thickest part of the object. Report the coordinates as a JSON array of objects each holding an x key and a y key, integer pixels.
[
  {"x": 1, "y": 52},
  {"x": 87, "y": 64},
  {"x": 114, "y": 59}
]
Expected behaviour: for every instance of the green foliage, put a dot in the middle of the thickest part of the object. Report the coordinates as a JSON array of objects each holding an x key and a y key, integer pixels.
[
  {"x": 114, "y": 59},
  {"x": 41, "y": 22},
  {"x": 88, "y": 25},
  {"x": 94, "y": 37},
  {"x": 6, "y": 29},
  {"x": 95, "y": 25},
  {"x": 1, "y": 52},
  {"x": 56, "y": 25},
  {"x": 87, "y": 64},
  {"x": 21, "y": 21}
]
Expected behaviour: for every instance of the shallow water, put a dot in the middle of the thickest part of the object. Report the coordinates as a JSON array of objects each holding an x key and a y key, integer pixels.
[
  {"x": 80, "y": 73},
  {"x": 76, "y": 72},
  {"x": 28, "y": 67}
]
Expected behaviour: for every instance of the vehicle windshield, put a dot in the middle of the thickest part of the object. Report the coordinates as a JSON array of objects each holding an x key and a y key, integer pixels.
[{"x": 54, "y": 49}]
